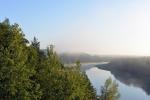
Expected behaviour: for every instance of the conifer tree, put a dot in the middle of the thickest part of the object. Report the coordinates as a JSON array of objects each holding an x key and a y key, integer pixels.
[
  {"x": 53, "y": 79},
  {"x": 29, "y": 73},
  {"x": 15, "y": 72},
  {"x": 109, "y": 91},
  {"x": 80, "y": 85}
]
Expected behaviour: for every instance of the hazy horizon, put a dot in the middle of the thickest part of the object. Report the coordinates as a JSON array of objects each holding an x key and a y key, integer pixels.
[{"x": 104, "y": 27}]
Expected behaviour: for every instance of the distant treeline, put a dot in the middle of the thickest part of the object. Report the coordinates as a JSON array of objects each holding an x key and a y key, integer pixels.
[
  {"x": 28, "y": 73},
  {"x": 83, "y": 57}
]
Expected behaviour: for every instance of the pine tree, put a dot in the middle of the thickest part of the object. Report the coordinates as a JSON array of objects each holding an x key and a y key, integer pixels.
[
  {"x": 80, "y": 85},
  {"x": 15, "y": 71},
  {"x": 109, "y": 91},
  {"x": 53, "y": 79},
  {"x": 28, "y": 73}
]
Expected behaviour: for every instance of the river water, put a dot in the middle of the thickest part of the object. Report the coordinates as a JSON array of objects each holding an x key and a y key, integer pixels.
[{"x": 98, "y": 77}]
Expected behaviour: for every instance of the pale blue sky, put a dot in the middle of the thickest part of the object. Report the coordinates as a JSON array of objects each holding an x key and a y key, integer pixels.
[{"x": 92, "y": 26}]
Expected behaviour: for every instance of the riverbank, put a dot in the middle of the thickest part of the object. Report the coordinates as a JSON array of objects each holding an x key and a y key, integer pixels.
[{"x": 130, "y": 72}]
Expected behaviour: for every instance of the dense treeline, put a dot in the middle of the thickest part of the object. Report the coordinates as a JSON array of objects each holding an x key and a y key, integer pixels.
[
  {"x": 135, "y": 71},
  {"x": 84, "y": 58},
  {"x": 27, "y": 73}
]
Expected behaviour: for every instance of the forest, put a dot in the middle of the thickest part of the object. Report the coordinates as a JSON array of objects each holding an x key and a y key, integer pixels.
[
  {"x": 28, "y": 73},
  {"x": 133, "y": 70}
]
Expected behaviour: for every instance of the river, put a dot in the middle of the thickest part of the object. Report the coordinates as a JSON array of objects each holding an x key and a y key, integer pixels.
[{"x": 98, "y": 76}]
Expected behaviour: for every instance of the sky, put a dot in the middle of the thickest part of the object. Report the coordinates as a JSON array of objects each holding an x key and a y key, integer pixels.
[{"x": 105, "y": 27}]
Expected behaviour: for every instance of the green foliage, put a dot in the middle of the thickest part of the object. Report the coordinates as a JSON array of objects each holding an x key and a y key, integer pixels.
[
  {"x": 78, "y": 64},
  {"x": 80, "y": 86},
  {"x": 109, "y": 91},
  {"x": 59, "y": 83},
  {"x": 27, "y": 73},
  {"x": 35, "y": 44},
  {"x": 15, "y": 71},
  {"x": 52, "y": 77}
]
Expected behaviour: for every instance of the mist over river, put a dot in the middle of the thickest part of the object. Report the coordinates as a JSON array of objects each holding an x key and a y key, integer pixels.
[{"x": 97, "y": 76}]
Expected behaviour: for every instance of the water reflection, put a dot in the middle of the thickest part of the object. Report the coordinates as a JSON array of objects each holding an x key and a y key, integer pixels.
[
  {"x": 128, "y": 92},
  {"x": 98, "y": 77},
  {"x": 132, "y": 79},
  {"x": 128, "y": 76}
]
